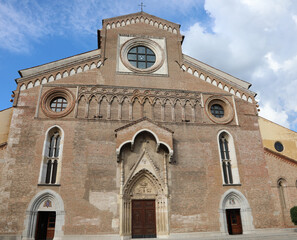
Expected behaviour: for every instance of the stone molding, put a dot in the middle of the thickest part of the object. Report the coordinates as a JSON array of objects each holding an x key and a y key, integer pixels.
[
  {"x": 227, "y": 106},
  {"x": 53, "y": 93},
  {"x": 144, "y": 180},
  {"x": 234, "y": 199},
  {"x": 154, "y": 46},
  {"x": 280, "y": 156},
  {"x": 187, "y": 101},
  {"x": 216, "y": 81},
  {"x": 60, "y": 74},
  {"x": 139, "y": 94},
  {"x": 142, "y": 17},
  {"x": 37, "y": 204},
  {"x": 129, "y": 134}
]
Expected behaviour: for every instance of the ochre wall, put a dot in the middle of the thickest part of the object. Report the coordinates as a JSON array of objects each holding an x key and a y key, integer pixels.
[
  {"x": 5, "y": 118},
  {"x": 272, "y": 132},
  {"x": 281, "y": 165}
]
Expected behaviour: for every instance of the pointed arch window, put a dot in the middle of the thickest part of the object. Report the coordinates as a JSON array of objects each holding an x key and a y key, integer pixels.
[
  {"x": 281, "y": 184},
  {"x": 51, "y": 165},
  {"x": 228, "y": 159}
]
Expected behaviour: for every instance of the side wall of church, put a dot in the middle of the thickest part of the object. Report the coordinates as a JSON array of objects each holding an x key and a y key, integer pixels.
[{"x": 284, "y": 170}]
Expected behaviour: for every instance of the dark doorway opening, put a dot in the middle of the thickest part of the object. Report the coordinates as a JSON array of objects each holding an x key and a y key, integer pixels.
[
  {"x": 143, "y": 219},
  {"x": 45, "y": 227},
  {"x": 234, "y": 221}
]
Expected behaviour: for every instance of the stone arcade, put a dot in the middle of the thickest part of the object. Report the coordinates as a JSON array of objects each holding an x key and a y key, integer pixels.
[{"x": 136, "y": 139}]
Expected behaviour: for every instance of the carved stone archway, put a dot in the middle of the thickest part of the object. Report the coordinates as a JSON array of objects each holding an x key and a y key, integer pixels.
[
  {"x": 46, "y": 200},
  {"x": 144, "y": 185},
  {"x": 144, "y": 153},
  {"x": 233, "y": 199}
]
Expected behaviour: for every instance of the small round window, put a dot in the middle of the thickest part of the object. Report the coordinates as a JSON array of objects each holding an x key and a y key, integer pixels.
[
  {"x": 58, "y": 104},
  {"x": 278, "y": 146},
  {"x": 217, "y": 110},
  {"x": 141, "y": 57}
]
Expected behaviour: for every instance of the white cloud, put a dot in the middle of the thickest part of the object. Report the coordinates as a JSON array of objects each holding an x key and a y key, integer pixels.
[
  {"x": 255, "y": 41},
  {"x": 252, "y": 40},
  {"x": 279, "y": 117},
  {"x": 275, "y": 66}
]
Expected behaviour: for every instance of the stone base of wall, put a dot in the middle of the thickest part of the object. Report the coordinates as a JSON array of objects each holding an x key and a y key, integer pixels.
[
  {"x": 193, "y": 235},
  {"x": 10, "y": 237}
]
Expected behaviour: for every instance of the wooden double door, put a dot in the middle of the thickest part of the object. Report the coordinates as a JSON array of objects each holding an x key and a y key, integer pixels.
[
  {"x": 234, "y": 221},
  {"x": 143, "y": 219},
  {"x": 45, "y": 228}
]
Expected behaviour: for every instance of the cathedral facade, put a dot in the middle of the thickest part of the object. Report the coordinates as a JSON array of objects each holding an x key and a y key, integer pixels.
[{"x": 136, "y": 139}]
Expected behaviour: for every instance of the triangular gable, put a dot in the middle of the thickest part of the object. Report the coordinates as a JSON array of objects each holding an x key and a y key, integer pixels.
[{"x": 144, "y": 162}]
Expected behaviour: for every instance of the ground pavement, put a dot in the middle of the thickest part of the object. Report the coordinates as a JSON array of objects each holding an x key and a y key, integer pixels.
[{"x": 282, "y": 234}]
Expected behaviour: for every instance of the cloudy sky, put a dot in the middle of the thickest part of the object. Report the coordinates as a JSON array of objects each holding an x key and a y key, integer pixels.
[{"x": 254, "y": 40}]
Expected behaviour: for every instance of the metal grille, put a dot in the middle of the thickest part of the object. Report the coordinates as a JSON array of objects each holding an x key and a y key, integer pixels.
[
  {"x": 58, "y": 104},
  {"x": 141, "y": 57},
  {"x": 217, "y": 110}
]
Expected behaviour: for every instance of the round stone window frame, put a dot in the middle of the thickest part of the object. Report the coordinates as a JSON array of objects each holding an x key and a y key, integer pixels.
[
  {"x": 50, "y": 95},
  {"x": 226, "y": 105},
  {"x": 135, "y": 42}
]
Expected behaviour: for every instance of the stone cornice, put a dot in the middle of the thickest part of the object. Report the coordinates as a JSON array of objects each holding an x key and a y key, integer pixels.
[
  {"x": 141, "y": 94},
  {"x": 140, "y": 120},
  {"x": 217, "y": 78},
  {"x": 141, "y": 17},
  {"x": 57, "y": 65},
  {"x": 280, "y": 156},
  {"x": 59, "y": 72}
]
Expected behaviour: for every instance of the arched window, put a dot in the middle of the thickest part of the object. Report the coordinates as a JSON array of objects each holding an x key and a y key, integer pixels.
[
  {"x": 281, "y": 184},
  {"x": 228, "y": 159},
  {"x": 50, "y": 167}
]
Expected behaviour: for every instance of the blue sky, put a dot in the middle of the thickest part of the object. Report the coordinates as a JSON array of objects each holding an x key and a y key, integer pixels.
[{"x": 250, "y": 39}]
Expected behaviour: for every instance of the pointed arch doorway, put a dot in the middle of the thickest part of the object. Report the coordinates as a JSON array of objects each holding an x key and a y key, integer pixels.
[
  {"x": 45, "y": 216},
  {"x": 235, "y": 213},
  {"x": 144, "y": 207},
  {"x": 144, "y": 159}
]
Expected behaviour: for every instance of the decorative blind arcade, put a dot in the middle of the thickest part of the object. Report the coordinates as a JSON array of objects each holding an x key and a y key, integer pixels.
[
  {"x": 52, "y": 159},
  {"x": 226, "y": 161}
]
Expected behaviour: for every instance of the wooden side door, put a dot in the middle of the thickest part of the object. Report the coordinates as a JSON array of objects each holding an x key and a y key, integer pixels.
[
  {"x": 45, "y": 228},
  {"x": 143, "y": 219},
  {"x": 50, "y": 233},
  {"x": 234, "y": 221}
]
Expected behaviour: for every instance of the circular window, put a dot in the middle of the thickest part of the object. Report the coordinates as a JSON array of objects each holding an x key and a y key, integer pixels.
[
  {"x": 217, "y": 110},
  {"x": 141, "y": 57},
  {"x": 278, "y": 146},
  {"x": 58, "y": 104}
]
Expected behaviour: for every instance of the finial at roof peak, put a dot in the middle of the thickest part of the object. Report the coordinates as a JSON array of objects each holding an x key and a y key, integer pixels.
[{"x": 141, "y": 6}]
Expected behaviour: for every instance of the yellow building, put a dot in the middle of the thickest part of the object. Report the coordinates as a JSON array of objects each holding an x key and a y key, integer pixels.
[
  {"x": 5, "y": 118},
  {"x": 280, "y": 149}
]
